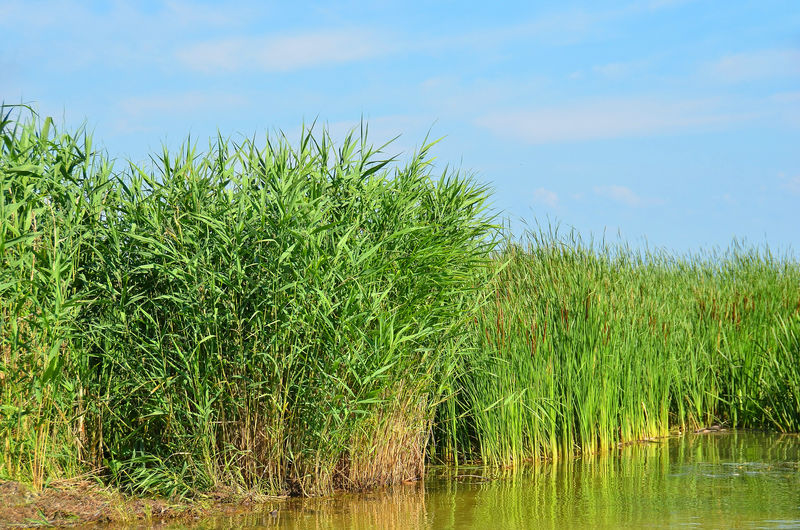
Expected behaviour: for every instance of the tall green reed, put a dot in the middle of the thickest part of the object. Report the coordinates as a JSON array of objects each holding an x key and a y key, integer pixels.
[
  {"x": 584, "y": 346},
  {"x": 285, "y": 313},
  {"x": 274, "y": 318},
  {"x": 303, "y": 318},
  {"x": 52, "y": 189}
]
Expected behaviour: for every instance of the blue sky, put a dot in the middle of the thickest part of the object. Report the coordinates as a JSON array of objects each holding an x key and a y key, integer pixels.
[{"x": 674, "y": 122}]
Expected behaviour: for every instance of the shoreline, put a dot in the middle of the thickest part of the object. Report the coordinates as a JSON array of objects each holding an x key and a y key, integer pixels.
[
  {"x": 81, "y": 502},
  {"x": 71, "y": 503}
]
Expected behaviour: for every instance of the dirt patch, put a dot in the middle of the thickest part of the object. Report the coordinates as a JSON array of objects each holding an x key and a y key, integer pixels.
[{"x": 83, "y": 502}]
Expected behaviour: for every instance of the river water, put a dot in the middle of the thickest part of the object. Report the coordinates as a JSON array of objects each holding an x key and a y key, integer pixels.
[{"x": 720, "y": 480}]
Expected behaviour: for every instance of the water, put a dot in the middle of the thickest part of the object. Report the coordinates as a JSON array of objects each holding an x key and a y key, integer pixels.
[{"x": 741, "y": 480}]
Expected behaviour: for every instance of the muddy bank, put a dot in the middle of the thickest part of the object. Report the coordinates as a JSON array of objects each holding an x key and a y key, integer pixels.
[{"x": 82, "y": 502}]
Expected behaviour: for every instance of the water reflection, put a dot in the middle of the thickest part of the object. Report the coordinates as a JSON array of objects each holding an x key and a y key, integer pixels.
[{"x": 717, "y": 480}]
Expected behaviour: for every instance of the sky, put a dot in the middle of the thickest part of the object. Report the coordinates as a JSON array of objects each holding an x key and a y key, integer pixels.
[{"x": 671, "y": 124}]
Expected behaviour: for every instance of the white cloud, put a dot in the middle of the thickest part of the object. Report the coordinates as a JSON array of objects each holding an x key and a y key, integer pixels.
[
  {"x": 612, "y": 70},
  {"x": 453, "y": 95},
  {"x": 546, "y": 197},
  {"x": 119, "y": 35},
  {"x": 661, "y": 4},
  {"x": 282, "y": 53},
  {"x": 126, "y": 16},
  {"x": 791, "y": 184},
  {"x": 619, "y": 69},
  {"x": 611, "y": 118},
  {"x": 757, "y": 65},
  {"x": 786, "y": 97},
  {"x": 620, "y": 194},
  {"x": 187, "y": 13},
  {"x": 181, "y": 103},
  {"x": 550, "y": 28}
]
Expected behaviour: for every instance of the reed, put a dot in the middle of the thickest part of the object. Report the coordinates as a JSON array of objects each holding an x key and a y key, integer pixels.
[
  {"x": 272, "y": 318},
  {"x": 583, "y": 346},
  {"x": 51, "y": 198},
  {"x": 298, "y": 318}
]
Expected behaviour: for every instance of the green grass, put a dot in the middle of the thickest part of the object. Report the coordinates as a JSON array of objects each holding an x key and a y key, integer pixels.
[{"x": 297, "y": 318}]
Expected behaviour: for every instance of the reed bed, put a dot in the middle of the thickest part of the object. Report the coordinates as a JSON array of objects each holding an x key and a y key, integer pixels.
[
  {"x": 273, "y": 318},
  {"x": 299, "y": 318},
  {"x": 582, "y": 346}
]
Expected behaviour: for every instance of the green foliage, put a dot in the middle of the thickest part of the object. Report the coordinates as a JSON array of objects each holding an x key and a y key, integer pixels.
[
  {"x": 273, "y": 318},
  {"x": 582, "y": 347},
  {"x": 302, "y": 318},
  {"x": 51, "y": 198}
]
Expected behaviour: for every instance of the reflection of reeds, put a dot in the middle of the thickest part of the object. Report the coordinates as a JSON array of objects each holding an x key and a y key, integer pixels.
[
  {"x": 399, "y": 507},
  {"x": 674, "y": 482},
  {"x": 650, "y": 485}
]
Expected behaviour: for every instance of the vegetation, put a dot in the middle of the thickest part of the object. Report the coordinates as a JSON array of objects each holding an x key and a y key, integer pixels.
[
  {"x": 278, "y": 319},
  {"x": 300, "y": 319},
  {"x": 582, "y": 347}
]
